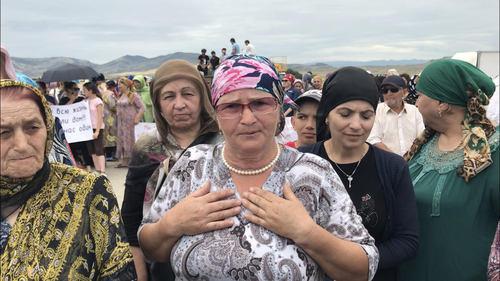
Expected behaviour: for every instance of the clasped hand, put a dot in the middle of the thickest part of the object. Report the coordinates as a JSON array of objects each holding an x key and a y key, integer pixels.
[
  {"x": 284, "y": 216},
  {"x": 203, "y": 211}
]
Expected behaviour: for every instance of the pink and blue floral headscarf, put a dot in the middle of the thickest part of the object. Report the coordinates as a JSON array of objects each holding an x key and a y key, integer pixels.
[{"x": 246, "y": 72}]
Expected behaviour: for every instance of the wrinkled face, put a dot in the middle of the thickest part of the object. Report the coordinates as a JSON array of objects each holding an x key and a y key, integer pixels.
[
  {"x": 393, "y": 96},
  {"x": 350, "y": 123},
  {"x": 304, "y": 123},
  {"x": 317, "y": 83},
  {"x": 23, "y": 136},
  {"x": 429, "y": 108},
  {"x": 180, "y": 103},
  {"x": 249, "y": 131}
]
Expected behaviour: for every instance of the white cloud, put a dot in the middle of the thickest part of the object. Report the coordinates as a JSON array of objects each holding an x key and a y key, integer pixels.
[{"x": 303, "y": 31}]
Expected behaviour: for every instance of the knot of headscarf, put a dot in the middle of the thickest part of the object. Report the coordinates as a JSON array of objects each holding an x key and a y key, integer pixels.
[
  {"x": 246, "y": 72},
  {"x": 460, "y": 83},
  {"x": 15, "y": 192}
]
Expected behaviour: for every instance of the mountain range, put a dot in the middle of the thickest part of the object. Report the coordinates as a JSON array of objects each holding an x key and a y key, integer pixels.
[{"x": 35, "y": 67}]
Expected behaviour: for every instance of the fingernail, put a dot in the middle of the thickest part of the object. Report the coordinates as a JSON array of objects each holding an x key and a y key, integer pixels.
[{"x": 251, "y": 189}]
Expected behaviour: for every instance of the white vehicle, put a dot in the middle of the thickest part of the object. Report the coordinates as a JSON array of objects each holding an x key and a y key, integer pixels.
[{"x": 487, "y": 61}]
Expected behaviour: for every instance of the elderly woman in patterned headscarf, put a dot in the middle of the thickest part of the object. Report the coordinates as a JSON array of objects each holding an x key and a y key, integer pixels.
[
  {"x": 287, "y": 197},
  {"x": 57, "y": 222},
  {"x": 454, "y": 167}
]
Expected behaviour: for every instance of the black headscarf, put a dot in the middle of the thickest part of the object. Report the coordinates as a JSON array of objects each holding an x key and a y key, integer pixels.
[{"x": 346, "y": 84}]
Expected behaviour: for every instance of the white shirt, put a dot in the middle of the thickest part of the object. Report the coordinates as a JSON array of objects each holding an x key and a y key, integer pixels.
[
  {"x": 249, "y": 49},
  {"x": 396, "y": 131}
]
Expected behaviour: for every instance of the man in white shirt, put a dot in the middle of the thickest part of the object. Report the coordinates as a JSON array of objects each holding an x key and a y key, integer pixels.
[
  {"x": 249, "y": 48},
  {"x": 397, "y": 124}
]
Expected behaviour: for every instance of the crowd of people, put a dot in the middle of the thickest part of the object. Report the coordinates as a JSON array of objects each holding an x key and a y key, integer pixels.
[
  {"x": 256, "y": 176},
  {"x": 207, "y": 65}
]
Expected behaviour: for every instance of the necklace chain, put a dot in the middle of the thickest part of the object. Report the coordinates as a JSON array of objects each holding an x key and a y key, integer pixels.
[
  {"x": 349, "y": 177},
  {"x": 251, "y": 172}
]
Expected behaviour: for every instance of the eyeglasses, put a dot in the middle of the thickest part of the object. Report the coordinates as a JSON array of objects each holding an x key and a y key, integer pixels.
[
  {"x": 386, "y": 90},
  {"x": 235, "y": 110}
]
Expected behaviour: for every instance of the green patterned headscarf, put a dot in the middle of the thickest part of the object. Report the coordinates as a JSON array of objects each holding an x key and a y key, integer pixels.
[
  {"x": 448, "y": 80},
  {"x": 460, "y": 83}
]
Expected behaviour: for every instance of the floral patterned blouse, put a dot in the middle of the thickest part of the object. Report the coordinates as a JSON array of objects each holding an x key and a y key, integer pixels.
[{"x": 247, "y": 251}]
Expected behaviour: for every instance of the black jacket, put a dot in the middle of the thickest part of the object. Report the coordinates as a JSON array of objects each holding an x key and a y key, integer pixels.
[{"x": 400, "y": 239}]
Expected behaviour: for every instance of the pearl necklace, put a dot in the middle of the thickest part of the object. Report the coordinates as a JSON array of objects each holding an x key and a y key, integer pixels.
[{"x": 251, "y": 172}]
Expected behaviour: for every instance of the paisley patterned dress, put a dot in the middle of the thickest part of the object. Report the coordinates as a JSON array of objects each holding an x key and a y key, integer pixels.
[
  {"x": 247, "y": 251},
  {"x": 69, "y": 230}
]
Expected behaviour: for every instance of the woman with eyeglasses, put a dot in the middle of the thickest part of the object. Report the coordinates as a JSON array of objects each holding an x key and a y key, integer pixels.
[
  {"x": 289, "y": 218},
  {"x": 378, "y": 182}
]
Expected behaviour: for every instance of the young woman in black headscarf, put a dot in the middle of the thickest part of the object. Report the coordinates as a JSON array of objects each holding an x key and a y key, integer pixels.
[{"x": 377, "y": 181}]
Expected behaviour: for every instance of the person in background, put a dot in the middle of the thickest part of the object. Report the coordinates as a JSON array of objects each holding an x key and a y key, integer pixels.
[
  {"x": 203, "y": 58},
  {"x": 307, "y": 79},
  {"x": 223, "y": 54},
  {"x": 142, "y": 89},
  {"x": 235, "y": 48},
  {"x": 397, "y": 124},
  {"x": 57, "y": 222},
  {"x": 109, "y": 98},
  {"x": 271, "y": 187},
  {"x": 304, "y": 118},
  {"x": 79, "y": 149},
  {"x": 412, "y": 96},
  {"x": 184, "y": 118},
  {"x": 249, "y": 48},
  {"x": 129, "y": 111},
  {"x": 392, "y": 71},
  {"x": 317, "y": 82},
  {"x": 454, "y": 167},
  {"x": 406, "y": 77},
  {"x": 96, "y": 145},
  {"x": 43, "y": 88},
  {"x": 214, "y": 61},
  {"x": 290, "y": 92},
  {"x": 378, "y": 182},
  {"x": 299, "y": 85}
]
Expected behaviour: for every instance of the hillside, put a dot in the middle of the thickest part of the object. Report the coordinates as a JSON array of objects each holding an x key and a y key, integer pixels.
[{"x": 130, "y": 64}]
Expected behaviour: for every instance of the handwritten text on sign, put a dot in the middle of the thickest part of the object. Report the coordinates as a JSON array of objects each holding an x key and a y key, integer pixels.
[{"x": 75, "y": 120}]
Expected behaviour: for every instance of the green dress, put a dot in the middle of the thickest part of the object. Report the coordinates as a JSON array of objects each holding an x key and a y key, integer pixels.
[{"x": 457, "y": 219}]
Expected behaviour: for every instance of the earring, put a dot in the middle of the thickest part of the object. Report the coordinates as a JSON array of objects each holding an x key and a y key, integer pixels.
[{"x": 440, "y": 114}]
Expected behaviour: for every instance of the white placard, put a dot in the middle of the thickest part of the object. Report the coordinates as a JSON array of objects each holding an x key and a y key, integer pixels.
[
  {"x": 75, "y": 120},
  {"x": 144, "y": 128}
]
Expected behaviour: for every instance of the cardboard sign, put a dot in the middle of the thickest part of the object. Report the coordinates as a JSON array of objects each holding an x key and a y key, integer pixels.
[
  {"x": 144, "y": 128},
  {"x": 75, "y": 120}
]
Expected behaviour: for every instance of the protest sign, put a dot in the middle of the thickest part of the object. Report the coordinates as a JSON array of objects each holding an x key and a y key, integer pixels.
[
  {"x": 75, "y": 120},
  {"x": 144, "y": 128}
]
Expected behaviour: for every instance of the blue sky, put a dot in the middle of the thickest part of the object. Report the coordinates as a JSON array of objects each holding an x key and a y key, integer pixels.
[{"x": 303, "y": 31}]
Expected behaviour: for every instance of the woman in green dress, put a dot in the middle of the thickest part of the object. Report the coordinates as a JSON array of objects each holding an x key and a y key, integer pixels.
[{"x": 454, "y": 167}]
